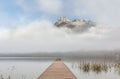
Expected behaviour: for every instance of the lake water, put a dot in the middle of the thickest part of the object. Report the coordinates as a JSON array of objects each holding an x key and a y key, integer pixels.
[{"x": 83, "y": 69}]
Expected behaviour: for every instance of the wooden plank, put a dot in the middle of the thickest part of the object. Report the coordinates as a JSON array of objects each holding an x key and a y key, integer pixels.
[{"x": 58, "y": 70}]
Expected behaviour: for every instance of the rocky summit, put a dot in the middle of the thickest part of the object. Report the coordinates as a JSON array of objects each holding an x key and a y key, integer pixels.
[{"x": 77, "y": 25}]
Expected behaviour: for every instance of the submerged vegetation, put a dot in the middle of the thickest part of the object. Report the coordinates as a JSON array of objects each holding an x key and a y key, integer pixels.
[
  {"x": 94, "y": 67},
  {"x": 98, "y": 67},
  {"x": 86, "y": 67},
  {"x": 117, "y": 68},
  {"x": 10, "y": 77}
]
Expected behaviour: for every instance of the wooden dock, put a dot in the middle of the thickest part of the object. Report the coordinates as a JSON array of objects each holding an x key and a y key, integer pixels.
[{"x": 58, "y": 70}]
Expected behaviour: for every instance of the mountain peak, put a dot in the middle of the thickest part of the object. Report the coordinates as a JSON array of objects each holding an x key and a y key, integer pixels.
[{"x": 76, "y": 25}]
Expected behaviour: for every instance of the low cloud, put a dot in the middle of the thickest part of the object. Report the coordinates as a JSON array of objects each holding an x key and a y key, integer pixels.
[{"x": 43, "y": 36}]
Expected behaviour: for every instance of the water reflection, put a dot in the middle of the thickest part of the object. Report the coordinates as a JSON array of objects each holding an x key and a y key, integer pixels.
[
  {"x": 82, "y": 69},
  {"x": 22, "y": 69}
]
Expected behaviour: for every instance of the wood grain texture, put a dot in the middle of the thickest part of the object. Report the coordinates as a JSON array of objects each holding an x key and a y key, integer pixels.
[{"x": 58, "y": 70}]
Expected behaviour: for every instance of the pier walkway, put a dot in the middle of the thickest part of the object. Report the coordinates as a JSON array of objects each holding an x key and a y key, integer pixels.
[{"x": 57, "y": 70}]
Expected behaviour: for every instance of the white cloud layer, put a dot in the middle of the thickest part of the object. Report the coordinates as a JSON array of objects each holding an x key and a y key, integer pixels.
[{"x": 41, "y": 35}]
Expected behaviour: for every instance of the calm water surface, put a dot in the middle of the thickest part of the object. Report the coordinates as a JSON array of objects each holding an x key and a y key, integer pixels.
[
  {"x": 95, "y": 69},
  {"x": 83, "y": 69}
]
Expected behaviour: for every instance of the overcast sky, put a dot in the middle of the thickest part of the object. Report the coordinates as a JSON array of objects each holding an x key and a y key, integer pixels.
[{"x": 28, "y": 25}]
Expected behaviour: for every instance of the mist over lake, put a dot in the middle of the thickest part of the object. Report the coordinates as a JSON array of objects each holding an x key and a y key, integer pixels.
[
  {"x": 85, "y": 68},
  {"x": 59, "y": 39}
]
